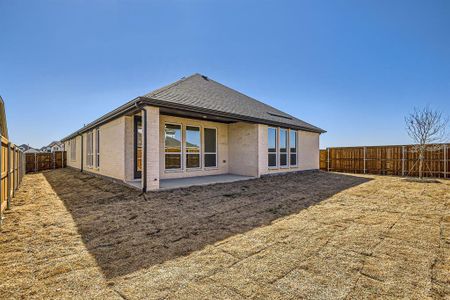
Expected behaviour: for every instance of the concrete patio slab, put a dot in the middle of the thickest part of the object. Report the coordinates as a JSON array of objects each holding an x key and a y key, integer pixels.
[{"x": 200, "y": 180}]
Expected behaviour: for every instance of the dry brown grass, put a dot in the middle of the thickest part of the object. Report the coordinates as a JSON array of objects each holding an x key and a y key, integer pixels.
[{"x": 313, "y": 235}]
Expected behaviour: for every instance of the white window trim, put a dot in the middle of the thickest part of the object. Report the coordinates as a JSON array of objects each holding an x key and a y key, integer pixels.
[
  {"x": 181, "y": 150},
  {"x": 276, "y": 148},
  {"x": 296, "y": 148},
  {"x": 90, "y": 149},
  {"x": 286, "y": 166},
  {"x": 200, "y": 153},
  {"x": 217, "y": 148},
  {"x": 73, "y": 149}
]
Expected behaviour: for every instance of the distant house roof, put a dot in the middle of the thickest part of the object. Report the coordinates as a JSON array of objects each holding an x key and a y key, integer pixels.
[
  {"x": 200, "y": 94},
  {"x": 31, "y": 150}
]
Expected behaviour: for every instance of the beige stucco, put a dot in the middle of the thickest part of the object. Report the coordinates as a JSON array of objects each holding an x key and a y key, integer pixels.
[
  {"x": 308, "y": 155},
  {"x": 153, "y": 147},
  {"x": 242, "y": 149},
  {"x": 112, "y": 150},
  {"x": 222, "y": 145}
]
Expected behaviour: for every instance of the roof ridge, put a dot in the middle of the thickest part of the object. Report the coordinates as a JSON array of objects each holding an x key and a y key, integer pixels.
[
  {"x": 162, "y": 89},
  {"x": 254, "y": 99}
]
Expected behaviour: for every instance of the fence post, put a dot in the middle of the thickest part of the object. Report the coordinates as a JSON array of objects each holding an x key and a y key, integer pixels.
[
  {"x": 35, "y": 162},
  {"x": 445, "y": 160},
  {"x": 62, "y": 159},
  {"x": 54, "y": 160},
  {"x": 13, "y": 175},
  {"x": 328, "y": 159},
  {"x": 403, "y": 160},
  {"x": 1, "y": 183},
  {"x": 8, "y": 176},
  {"x": 365, "y": 150}
]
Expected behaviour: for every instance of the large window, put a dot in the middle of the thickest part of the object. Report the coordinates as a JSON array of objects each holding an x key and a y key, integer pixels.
[
  {"x": 283, "y": 147},
  {"x": 172, "y": 146},
  {"x": 97, "y": 148},
  {"x": 192, "y": 147},
  {"x": 210, "y": 156},
  {"x": 73, "y": 149},
  {"x": 293, "y": 147},
  {"x": 90, "y": 149},
  {"x": 272, "y": 146}
]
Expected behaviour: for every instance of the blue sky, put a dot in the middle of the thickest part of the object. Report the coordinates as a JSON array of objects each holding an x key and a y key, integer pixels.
[{"x": 354, "y": 68}]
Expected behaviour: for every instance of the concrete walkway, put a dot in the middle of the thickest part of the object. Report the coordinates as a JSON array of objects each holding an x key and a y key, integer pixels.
[{"x": 200, "y": 180}]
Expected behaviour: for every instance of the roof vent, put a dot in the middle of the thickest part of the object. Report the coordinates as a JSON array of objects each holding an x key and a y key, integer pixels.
[
  {"x": 279, "y": 116},
  {"x": 205, "y": 77}
]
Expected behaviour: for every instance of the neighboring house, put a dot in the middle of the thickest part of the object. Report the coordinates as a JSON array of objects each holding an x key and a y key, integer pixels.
[
  {"x": 53, "y": 146},
  {"x": 32, "y": 150},
  {"x": 27, "y": 149},
  {"x": 24, "y": 147},
  {"x": 193, "y": 127}
]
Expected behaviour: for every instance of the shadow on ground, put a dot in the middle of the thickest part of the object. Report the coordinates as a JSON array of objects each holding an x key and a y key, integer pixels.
[{"x": 126, "y": 232}]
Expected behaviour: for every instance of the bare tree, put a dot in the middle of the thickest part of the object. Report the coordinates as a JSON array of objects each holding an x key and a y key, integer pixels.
[{"x": 427, "y": 128}]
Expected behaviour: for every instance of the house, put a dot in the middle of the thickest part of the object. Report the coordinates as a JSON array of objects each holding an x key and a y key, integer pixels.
[
  {"x": 193, "y": 127},
  {"x": 53, "y": 146},
  {"x": 31, "y": 150}
]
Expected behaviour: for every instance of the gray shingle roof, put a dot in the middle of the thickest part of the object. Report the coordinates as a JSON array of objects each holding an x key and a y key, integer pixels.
[{"x": 201, "y": 92}]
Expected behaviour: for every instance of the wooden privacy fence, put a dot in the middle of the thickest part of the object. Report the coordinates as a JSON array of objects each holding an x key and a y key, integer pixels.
[
  {"x": 400, "y": 160},
  {"x": 12, "y": 165},
  {"x": 36, "y": 162}
]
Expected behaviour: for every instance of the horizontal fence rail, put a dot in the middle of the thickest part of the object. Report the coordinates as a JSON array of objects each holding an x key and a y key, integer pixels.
[
  {"x": 36, "y": 162},
  {"x": 400, "y": 160}
]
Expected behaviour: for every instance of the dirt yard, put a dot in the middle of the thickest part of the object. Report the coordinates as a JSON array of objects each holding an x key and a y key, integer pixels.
[{"x": 313, "y": 235}]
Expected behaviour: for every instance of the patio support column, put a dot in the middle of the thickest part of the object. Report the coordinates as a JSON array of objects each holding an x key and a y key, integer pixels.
[{"x": 151, "y": 147}]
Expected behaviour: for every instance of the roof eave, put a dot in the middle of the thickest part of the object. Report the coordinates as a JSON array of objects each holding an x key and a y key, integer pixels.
[
  {"x": 118, "y": 112},
  {"x": 161, "y": 103}
]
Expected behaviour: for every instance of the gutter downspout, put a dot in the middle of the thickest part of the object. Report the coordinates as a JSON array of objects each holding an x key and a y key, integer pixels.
[{"x": 144, "y": 144}]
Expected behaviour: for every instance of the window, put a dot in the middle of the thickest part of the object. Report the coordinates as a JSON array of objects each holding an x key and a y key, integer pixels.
[
  {"x": 283, "y": 147},
  {"x": 73, "y": 149},
  {"x": 172, "y": 146},
  {"x": 192, "y": 147},
  {"x": 90, "y": 149},
  {"x": 293, "y": 147},
  {"x": 97, "y": 148},
  {"x": 272, "y": 146},
  {"x": 210, "y": 157}
]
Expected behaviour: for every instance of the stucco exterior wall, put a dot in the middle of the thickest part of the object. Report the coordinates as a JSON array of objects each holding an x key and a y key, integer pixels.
[
  {"x": 243, "y": 148},
  {"x": 152, "y": 162},
  {"x": 112, "y": 150},
  {"x": 77, "y": 162},
  {"x": 129, "y": 148},
  {"x": 308, "y": 154},
  {"x": 222, "y": 147}
]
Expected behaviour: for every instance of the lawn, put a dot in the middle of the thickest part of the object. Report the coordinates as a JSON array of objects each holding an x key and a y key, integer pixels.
[{"x": 313, "y": 235}]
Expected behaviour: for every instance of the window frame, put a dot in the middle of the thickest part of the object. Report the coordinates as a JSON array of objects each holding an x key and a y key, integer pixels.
[
  {"x": 287, "y": 148},
  {"x": 181, "y": 168},
  {"x": 90, "y": 149},
  {"x": 296, "y": 148},
  {"x": 204, "y": 151},
  {"x": 185, "y": 152},
  {"x": 73, "y": 149},
  {"x": 276, "y": 148}
]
